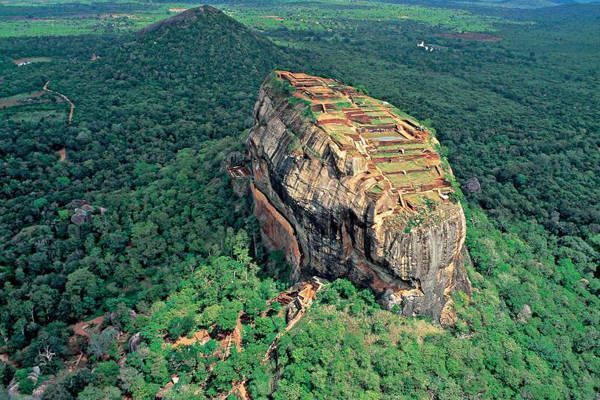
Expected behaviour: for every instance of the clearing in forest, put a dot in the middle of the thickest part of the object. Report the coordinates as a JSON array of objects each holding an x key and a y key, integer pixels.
[
  {"x": 473, "y": 36},
  {"x": 21, "y": 99},
  {"x": 30, "y": 60}
]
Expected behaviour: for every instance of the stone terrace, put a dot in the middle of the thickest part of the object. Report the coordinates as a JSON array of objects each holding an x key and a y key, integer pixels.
[{"x": 399, "y": 153}]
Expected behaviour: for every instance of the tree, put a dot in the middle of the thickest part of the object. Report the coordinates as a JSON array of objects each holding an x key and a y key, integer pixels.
[
  {"x": 147, "y": 243},
  {"x": 106, "y": 373},
  {"x": 227, "y": 319},
  {"x": 209, "y": 315},
  {"x": 92, "y": 392},
  {"x": 81, "y": 292},
  {"x": 44, "y": 300},
  {"x": 56, "y": 392},
  {"x": 180, "y": 326},
  {"x": 77, "y": 381},
  {"x": 103, "y": 345}
]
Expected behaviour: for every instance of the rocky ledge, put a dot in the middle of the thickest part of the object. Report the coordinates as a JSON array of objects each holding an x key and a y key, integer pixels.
[{"x": 349, "y": 186}]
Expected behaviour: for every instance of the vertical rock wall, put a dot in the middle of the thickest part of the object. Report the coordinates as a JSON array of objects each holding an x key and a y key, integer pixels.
[{"x": 311, "y": 201}]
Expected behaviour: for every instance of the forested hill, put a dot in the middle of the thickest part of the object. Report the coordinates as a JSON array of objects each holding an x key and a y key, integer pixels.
[
  {"x": 206, "y": 44},
  {"x": 152, "y": 212}
]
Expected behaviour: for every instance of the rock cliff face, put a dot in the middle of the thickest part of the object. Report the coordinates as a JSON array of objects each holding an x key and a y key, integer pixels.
[{"x": 348, "y": 186}]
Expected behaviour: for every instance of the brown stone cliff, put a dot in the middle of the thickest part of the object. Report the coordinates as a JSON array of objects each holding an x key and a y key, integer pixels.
[{"x": 323, "y": 200}]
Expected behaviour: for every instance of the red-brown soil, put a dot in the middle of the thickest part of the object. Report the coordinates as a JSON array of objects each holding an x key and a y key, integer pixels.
[
  {"x": 201, "y": 336},
  {"x": 65, "y": 98},
  {"x": 236, "y": 336},
  {"x": 82, "y": 328},
  {"x": 274, "y": 17}
]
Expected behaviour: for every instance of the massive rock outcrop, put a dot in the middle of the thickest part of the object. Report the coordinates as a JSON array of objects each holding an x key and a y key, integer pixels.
[{"x": 348, "y": 186}]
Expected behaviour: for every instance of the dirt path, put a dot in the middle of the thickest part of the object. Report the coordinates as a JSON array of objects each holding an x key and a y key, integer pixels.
[
  {"x": 65, "y": 98},
  {"x": 305, "y": 297},
  {"x": 302, "y": 298},
  {"x": 201, "y": 336},
  {"x": 81, "y": 328},
  {"x": 289, "y": 326},
  {"x": 240, "y": 388}
]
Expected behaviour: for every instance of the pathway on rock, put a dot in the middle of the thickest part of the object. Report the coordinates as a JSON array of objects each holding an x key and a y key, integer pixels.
[
  {"x": 65, "y": 98},
  {"x": 303, "y": 300}
]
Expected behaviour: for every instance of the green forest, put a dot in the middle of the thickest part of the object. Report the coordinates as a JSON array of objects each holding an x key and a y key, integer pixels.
[{"x": 126, "y": 216}]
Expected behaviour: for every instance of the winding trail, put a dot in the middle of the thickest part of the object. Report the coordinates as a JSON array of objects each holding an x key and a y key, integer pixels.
[
  {"x": 65, "y": 98},
  {"x": 305, "y": 298}
]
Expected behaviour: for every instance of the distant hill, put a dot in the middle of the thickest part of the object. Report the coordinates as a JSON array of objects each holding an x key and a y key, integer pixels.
[
  {"x": 185, "y": 19},
  {"x": 202, "y": 50},
  {"x": 196, "y": 68}
]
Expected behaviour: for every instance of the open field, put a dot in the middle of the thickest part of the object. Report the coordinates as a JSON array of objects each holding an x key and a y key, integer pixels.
[
  {"x": 74, "y": 25},
  {"x": 31, "y": 60},
  {"x": 36, "y": 18},
  {"x": 20, "y": 99},
  {"x": 331, "y": 15},
  {"x": 36, "y": 115}
]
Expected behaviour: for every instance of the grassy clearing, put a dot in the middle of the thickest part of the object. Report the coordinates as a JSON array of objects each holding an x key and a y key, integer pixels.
[
  {"x": 19, "y": 99},
  {"x": 317, "y": 16},
  {"x": 400, "y": 166},
  {"x": 383, "y": 137},
  {"x": 37, "y": 116},
  {"x": 376, "y": 189},
  {"x": 121, "y": 20},
  {"x": 415, "y": 178},
  {"x": 31, "y": 60},
  {"x": 406, "y": 147},
  {"x": 382, "y": 121},
  {"x": 332, "y": 15},
  {"x": 397, "y": 152}
]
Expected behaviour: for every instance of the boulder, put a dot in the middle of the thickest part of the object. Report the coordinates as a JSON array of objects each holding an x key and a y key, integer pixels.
[
  {"x": 335, "y": 213},
  {"x": 472, "y": 185}
]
